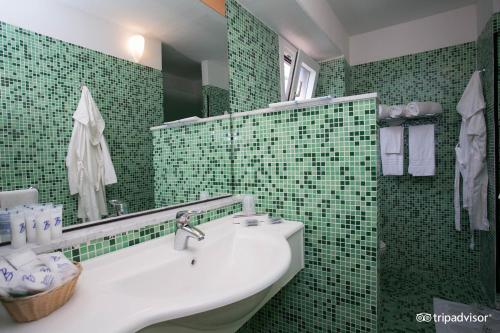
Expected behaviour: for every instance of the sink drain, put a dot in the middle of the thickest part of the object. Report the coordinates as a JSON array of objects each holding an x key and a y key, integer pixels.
[{"x": 193, "y": 261}]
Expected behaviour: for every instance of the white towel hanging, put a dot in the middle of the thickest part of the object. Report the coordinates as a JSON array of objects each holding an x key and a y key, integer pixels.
[
  {"x": 422, "y": 151},
  {"x": 391, "y": 150}
]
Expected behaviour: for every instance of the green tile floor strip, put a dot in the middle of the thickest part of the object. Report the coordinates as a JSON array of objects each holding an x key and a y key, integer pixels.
[{"x": 40, "y": 80}]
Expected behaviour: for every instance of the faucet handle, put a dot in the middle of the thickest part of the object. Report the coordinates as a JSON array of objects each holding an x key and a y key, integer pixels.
[{"x": 184, "y": 216}]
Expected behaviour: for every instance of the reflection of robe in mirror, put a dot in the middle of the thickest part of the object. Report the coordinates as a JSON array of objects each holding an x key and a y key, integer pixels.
[{"x": 89, "y": 163}]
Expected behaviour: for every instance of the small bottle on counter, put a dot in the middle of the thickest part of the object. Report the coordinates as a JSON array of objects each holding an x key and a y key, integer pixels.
[
  {"x": 17, "y": 227},
  {"x": 56, "y": 226},
  {"x": 43, "y": 225}
]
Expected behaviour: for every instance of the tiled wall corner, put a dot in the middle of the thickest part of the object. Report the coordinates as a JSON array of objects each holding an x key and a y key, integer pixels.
[
  {"x": 40, "y": 80},
  {"x": 215, "y": 101},
  {"x": 190, "y": 159},
  {"x": 334, "y": 78},
  {"x": 123, "y": 240},
  {"x": 317, "y": 165},
  {"x": 253, "y": 55}
]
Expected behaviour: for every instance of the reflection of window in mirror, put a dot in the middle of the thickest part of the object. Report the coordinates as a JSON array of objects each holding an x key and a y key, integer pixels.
[
  {"x": 288, "y": 54},
  {"x": 299, "y": 73},
  {"x": 305, "y": 77}
]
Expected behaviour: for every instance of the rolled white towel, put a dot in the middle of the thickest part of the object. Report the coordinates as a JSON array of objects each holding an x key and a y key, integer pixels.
[
  {"x": 416, "y": 109},
  {"x": 396, "y": 111},
  {"x": 383, "y": 111}
]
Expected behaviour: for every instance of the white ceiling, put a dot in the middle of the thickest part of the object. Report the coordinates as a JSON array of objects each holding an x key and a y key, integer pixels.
[
  {"x": 187, "y": 25},
  {"x": 359, "y": 16},
  {"x": 288, "y": 19},
  {"x": 200, "y": 33}
]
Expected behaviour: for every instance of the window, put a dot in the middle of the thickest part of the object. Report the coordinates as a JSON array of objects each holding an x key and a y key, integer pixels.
[
  {"x": 305, "y": 78},
  {"x": 299, "y": 73},
  {"x": 288, "y": 54}
]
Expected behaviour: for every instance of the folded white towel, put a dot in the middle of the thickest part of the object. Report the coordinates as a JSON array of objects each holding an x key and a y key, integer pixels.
[
  {"x": 422, "y": 151},
  {"x": 416, "y": 109},
  {"x": 396, "y": 111},
  {"x": 391, "y": 150},
  {"x": 391, "y": 140},
  {"x": 9, "y": 199}
]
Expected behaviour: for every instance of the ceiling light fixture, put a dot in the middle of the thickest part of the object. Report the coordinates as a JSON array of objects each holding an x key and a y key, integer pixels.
[{"x": 136, "y": 47}]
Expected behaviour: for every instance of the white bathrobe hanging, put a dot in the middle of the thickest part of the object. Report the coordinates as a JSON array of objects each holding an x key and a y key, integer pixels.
[
  {"x": 471, "y": 158},
  {"x": 89, "y": 163}
]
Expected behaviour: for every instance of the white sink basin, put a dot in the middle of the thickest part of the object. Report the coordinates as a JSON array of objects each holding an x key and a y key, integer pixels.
[{"x": 214, "y": 285}]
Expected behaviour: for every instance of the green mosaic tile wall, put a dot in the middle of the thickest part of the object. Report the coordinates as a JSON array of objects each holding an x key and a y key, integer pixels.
[
  {"x": 333, "y": 78},
  {"x": 417, "y": 212},
  {"x": 317, "y": 165},
  {"x": 40, "y": 81},
  {"x": 253, "y": 55},
  {"x": 215, "y": 101},
  {"x": 191, "y": 159},
  {"x": 123, "y": 240}
]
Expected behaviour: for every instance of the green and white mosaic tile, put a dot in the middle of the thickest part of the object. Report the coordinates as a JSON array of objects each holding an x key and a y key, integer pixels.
[
  {"x": 417, "y": 215},
  {"x": 191, "y": 159},
  {"x": 215, "y": 101},
  {"x": 40, "y": 80},
  {"x": 253, "y": 55},
  {"x": 317, "y": 165},
  {"x": 333, "y": 78},
  {"x": 417, "y": 212}
]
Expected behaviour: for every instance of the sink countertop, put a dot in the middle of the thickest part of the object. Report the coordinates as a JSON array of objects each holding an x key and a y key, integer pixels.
[{"x": 109, "y": 303}]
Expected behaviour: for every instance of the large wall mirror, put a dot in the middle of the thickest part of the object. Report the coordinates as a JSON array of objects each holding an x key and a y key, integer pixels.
[{"x": 46, "y": 82}]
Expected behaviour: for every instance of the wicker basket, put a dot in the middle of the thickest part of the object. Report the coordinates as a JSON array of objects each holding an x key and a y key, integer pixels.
[{"x": 29, "y": 308}]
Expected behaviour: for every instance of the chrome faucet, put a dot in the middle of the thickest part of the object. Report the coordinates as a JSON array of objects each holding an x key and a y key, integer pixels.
[
  {"x": 184, "y": 231},
  {"x": 120, "y": 207}
]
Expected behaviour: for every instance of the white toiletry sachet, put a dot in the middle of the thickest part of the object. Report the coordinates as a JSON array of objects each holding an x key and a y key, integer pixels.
[
  {"x": 59, "y": 265},
  {"x": 21, "y": 258},
  {"x": 25, "y": 281},
  {"x": 31, "y": 275},
  {"x": 8, "y": 278},
  {"x": 36, "y": 281}
]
